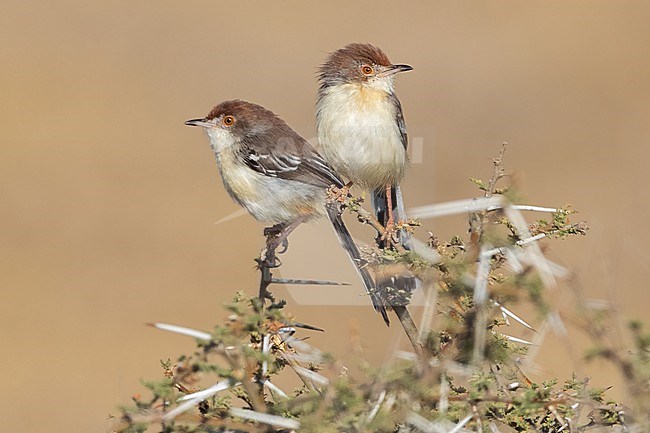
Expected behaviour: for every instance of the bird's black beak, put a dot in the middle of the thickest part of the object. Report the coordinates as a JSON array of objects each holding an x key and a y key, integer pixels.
[
  {"x": 402, "y": 68},
  {"x": 197, "y": 122},
  {"x": 395, "y": 69}
]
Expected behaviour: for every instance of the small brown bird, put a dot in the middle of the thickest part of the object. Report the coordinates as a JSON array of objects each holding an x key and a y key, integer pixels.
[
  {"x": 275, "y": 174},
  {"x": 360, "y": 124},
  {"x": 265, "y": 165}
]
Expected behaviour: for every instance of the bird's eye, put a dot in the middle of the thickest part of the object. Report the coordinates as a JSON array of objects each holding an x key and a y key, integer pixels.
[
  {"x": 228, "y": 121},
  {"x": 367, "y": 70}
]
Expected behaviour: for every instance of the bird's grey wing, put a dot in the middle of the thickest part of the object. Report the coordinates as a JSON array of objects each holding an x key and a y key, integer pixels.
[
  {"x": 399, "y": 201},
  {"x": 399, "y": 115},
  {"x": 378, "y": 198},
  {"x": 314, "y": 167},
  {"x": 300, "y": 163}
]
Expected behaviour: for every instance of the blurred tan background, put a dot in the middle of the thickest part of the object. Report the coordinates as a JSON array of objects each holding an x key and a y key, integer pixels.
[{"x": 109, "y": 202}]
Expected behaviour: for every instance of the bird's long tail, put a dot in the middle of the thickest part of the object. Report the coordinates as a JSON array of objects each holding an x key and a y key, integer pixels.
[
  {"x": 345, "y": 238},
  {"x": 380, "y": 205}
]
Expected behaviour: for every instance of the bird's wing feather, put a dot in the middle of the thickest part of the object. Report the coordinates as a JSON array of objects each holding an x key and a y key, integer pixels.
[
  {"x": 300, "y": 163},
  {"x": 400, "y": 121}
]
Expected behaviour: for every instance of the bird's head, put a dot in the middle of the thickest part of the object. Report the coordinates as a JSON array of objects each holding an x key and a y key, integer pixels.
[
  {"x": 234, "y": 121},
  {"x": 362, "y": 64}
]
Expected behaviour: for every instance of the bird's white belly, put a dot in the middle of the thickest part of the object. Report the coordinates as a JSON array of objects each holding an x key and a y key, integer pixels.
[
  {"x": 269, "y": 199},
  {"x": 360, "y": 138}
]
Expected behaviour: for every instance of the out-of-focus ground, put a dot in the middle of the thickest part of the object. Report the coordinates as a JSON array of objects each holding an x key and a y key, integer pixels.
[{"x": 109, "y": 203}]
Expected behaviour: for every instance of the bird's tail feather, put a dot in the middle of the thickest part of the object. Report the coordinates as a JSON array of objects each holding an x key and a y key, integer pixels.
[
  {"x": 345, "y": 238},
  {"x": 380, "y": 206}
]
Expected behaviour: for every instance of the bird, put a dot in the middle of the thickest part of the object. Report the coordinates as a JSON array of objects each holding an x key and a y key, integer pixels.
[
  {"x": 361, "y": 128},
  {"x": 276, "y": 175}
]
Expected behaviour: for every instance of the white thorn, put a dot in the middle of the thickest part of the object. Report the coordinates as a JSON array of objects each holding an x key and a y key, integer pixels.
[
  {"x": 183, "y": 331},
  {"x": 265, "y": 418},
  {"x": 267, "y": 383}
]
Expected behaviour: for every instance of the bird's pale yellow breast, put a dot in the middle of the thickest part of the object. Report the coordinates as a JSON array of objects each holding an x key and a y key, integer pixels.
[
  {"x": 359, "y": 134},
  {"x": 239, "y": 180}
]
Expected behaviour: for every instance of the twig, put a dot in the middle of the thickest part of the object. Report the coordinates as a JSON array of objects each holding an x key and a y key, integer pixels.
[
  {"x": 477, "y": 219},
  {"x": 481, "y": 311},
  {"x": 498, "y": 171},
  {"x": 408, "y": 324},
  {"x": 268, "y": 260},
  {"x": 264, "y": 264}
]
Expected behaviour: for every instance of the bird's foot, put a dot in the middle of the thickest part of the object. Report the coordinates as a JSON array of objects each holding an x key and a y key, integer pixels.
[
  {"x": 285, "y": 246},
  {"x": 390, "y": 232},
  {"x": 275, "y": 237},
  {"x": 273, "y": 230}
]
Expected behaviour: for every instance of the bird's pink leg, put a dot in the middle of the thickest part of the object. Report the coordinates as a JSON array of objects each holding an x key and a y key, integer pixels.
[{"x": 390, "y": 232}]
